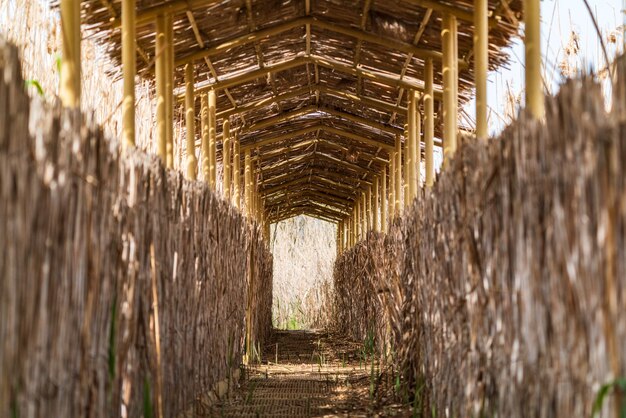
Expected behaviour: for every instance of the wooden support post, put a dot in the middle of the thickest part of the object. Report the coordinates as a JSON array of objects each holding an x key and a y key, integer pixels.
[
  {"x": 377, "y": 204},
  {"x": 339, "y": 238},
  {"x": 532, "y": 43},
  {"x": 413, "y": 147},
  {"x": 236, "y": 174},
  {"x": 383, "y": 202},
  {"x": 129, "y": 67},
  {"x": 450, "y": 80},
  {"x": 248, "y": 184},
  {"x": 363, "y": 215},
  {"x": 429, "y": 123},
  {"x": 418, "y": 151},
  {"x": 398, "y": 176},
  {"x": 392, "y": 186},
  {"x": 212, "y": 139},
  {"x": 169, "y": 90},
  {"x": 161, "y": 84},
  {"x": 406, "y": 163},
  {"x": 70, "y": 65},
  {"x": 355, "y": 223},
  {"x": 481, "y": 60},
  {"x": 190, "y": 121},
  {"x": 370, "y": 213},
  {"x": 204, "y": 127},
  {"x": 226, "y": 159}
]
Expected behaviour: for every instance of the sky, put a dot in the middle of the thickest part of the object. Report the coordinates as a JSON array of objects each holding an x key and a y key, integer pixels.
[{"x": 560, "y": 19}]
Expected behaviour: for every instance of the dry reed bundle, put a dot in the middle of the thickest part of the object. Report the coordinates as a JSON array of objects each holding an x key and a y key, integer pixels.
[
  {"x": 121, "y": 284},
  {"x": 513, "y": 279}
]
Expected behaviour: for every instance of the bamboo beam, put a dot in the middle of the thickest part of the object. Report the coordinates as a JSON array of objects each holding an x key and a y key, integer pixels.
[
  {"x": 481, "y": 61},
  {"x": 236, "y": 173},
  {"x": 429, "y": 124},
  {"x": 169, "y": 90},
  {"x": 376, "y": 212},
  {"x": 532, "y": 44},
  {"x": 306, "y": 179},
  {"x": 161, "y": 83},
  {"x": 450, "y": 79},
  {"x": 70, "y": 89},
  {"x": 226, "y": 158},
  {"x": 190, "y": 121},
  {"x": 317, "y": 196},
  {"x": 378, "y": 77},
  {"x": 248, "y": 184},
  {"x": 383, "y": 201},
  {"x": 212, "y": 141},
  {"x": 129, "y": 69},
  {"x": 204, "y": 127},
  {"x": 398, "y": 177}
]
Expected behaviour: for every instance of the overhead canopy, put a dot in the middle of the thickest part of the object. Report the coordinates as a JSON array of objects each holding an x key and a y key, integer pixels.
[{"x": 315, "y": 88}]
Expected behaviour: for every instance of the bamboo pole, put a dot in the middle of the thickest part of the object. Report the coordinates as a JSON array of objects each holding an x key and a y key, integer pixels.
[
  {"x": 406, "y": 163},
  {"x": 413, "y": 165},
  {"x": 392, "y": 186},
  {"x": 212, "y": 139},
  {"x": 369, "y": 215},
  {"x": 418, "y": 152},
  {"x": 532, "y": 43},
  {"x": 383, "y": 203},
  {"x": 248, "y": 184},
  {"x": 450, "y": 98},
  {"x": 161, "y": 77},
  {"x": 339, "y": 238},
  {"x": 429, "y": 123},
  {"x": 377, "y": 204},
  {"x": 236, "y": 173},
  {"x": 204, "y": 126},
  {"x": 481, "y": 60},
  {"x": 226, "y": 159},
  {"x": 190, "y": 121},
  {"x": 398, "y": 176},
  {"x": 129, "y": 68},
  {"x": 169, "y": 90},
  {"x": 70, "y": 65}
]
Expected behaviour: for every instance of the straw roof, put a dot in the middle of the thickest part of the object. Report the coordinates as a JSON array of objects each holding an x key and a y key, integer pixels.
[{"x": 316, "y": 88}]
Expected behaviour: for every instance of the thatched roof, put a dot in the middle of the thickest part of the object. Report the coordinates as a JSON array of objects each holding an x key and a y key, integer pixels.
[{"x": 317, "y": 88}]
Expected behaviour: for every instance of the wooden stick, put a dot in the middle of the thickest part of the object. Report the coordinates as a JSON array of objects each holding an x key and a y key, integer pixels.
[
  {"x": 481, "y": 60},
  {"x": 376, "y": 204},
  {"x": 190, "y": 119},
  {"x": 392, "y": 186},
  {"x": 226, "y": 160},
  {"x": 398, "y": 177},
  {"x": 450, "y": 99},
  {"x": 236, "y": 173},
  {"x": 417, "y": 171},
  {"x": 204, "y": 126},
  {"x": 532, "y": 44},
  {"x": 429, "y": 124},
  {"x": 248, "y": 184},
  {"x": 405, "y": 166},
  {"x": 383, "y": 202},
  {"x": 369, "y": 224},
  {"x": 212, "y": 140},
  {"x": 414, "y": 151},
  {"x": 169, "y": 90},
  {"x": 129, "y": 67},
  {"x": 161, "y": 82},
  {"x": 70, "y": 65}
]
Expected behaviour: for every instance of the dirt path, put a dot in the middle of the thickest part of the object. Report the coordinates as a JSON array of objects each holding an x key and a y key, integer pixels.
[{"x": 308, "y": 374}]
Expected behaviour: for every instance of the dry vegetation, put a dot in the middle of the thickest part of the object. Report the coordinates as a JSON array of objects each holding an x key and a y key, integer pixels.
[{"x": 304, "y": 250}]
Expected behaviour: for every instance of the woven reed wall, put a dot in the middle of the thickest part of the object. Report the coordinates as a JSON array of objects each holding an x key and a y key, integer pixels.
[
  {"x": 91, "y": 243},
  {"x": 513, "y": 275}
]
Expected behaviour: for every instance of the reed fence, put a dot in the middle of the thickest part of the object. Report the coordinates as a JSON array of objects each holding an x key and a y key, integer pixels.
[{"x": 122, "y": 285}]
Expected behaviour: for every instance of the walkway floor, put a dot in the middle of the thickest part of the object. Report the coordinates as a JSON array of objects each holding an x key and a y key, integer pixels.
[{"x": 309, "y": 374}]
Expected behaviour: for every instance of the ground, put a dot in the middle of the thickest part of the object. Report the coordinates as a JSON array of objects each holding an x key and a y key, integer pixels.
[{"x": 311, "y": 374}]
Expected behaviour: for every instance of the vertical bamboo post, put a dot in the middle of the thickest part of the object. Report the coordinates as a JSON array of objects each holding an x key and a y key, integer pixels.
[
  {"x": 429, "y": 123},
  {"x": 383, "y": 203},
  {"x": 418, "y": 152},
  {"x": 355, "y": 222},
  {"x": 236, "y": 173},
  {"x": 392, "y": 185},
  {"x": 248, "y": 184},
  {"x": 413, "y": 164},
  {"x": 398, "y": 176},
  {"x": 369, "y": 216},
  {"x": 161, "y": 77},
  {"x": 169, "y": 90},
  {"x": 129, "y": 67},
  {"x": 376, "y": 204},
  {"x": 532, "y": 43},
  {"x": 70, "y": 65},
  {"x": 481, "y": 60},
  {"x": 339, "y": 238},
  {"x": 407, "y": 163},
  {"x": 364, "y": 215},
  {"x": 450, "y": 102},
  {"x": 226, "y": 158},
  {"x": 204, "y": 127},
  {"x": 212, "y": 139},
  {"x": 190, "y": 122}
]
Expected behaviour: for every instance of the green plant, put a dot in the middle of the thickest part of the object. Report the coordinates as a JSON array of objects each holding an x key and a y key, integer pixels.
[
  {"x": 147, "y": 400},
  {"x": 37, "y": 86},
  {"x": 618, "y": 385}
]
